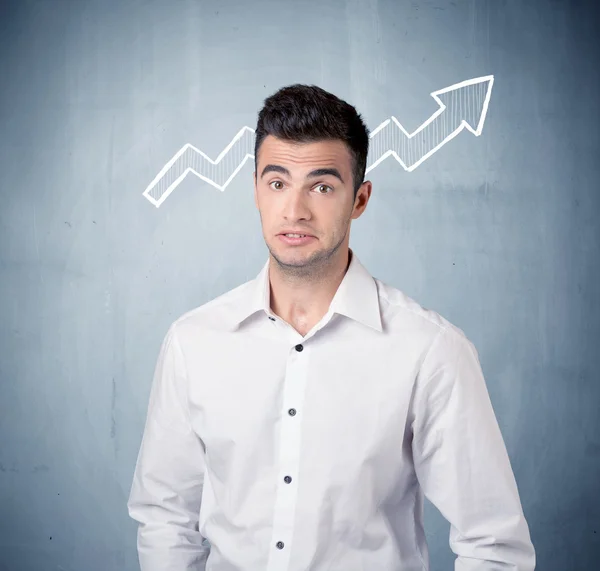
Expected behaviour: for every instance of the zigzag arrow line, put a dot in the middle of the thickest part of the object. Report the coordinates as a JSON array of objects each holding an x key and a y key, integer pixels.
[{"x": 461, "y": 106}]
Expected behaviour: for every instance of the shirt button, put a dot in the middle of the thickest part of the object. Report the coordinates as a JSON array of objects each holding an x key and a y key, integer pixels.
[
  {"x": 280, "y": 545},
  {"x": 299, "y": 348},
  {"x": 287, "y": 479},
  {"x": 292, "y": 412},
  {"x": 271, "y": 318}
]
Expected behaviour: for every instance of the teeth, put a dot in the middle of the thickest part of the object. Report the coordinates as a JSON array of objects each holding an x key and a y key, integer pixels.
[{"x": 296, "y": 235}]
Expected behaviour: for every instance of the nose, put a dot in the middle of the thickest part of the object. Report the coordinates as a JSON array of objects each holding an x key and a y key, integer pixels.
[{"x": 295, "y": 204}]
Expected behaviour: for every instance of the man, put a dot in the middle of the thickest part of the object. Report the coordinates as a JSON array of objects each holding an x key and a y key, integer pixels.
[{"x": 296, "y": 422}]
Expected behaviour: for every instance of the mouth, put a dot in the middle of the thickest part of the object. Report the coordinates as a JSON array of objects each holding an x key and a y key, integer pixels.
[
  {"x": 295, "y": 239},
  {"x": 296, "y": 235}
]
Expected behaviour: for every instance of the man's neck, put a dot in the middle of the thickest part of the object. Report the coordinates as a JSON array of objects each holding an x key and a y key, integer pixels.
[{"x": 303, "y": 302}]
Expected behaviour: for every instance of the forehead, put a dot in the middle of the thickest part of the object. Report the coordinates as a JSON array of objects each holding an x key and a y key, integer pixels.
[{"x": 315, "y": 154}]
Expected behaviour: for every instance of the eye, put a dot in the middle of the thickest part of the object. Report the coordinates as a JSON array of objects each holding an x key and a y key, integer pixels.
[{"x": 318, "y": 187}]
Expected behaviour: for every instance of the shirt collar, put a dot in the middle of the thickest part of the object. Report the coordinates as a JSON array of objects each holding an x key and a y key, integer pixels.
[{"x": 356, "y": 297}]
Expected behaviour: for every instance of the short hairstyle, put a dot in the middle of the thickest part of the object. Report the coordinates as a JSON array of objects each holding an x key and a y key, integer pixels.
[{"x": 308, "y": 113}]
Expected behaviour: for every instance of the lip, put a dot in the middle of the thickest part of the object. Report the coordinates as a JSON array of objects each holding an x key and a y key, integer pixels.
[
  {"x": 296, "y": 241},
  {"x": 284, "y": 233}
]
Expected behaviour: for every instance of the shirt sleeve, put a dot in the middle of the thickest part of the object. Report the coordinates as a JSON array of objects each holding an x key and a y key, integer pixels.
[
  {"x": 166, "y": 492},
  {"x": 462, "y": 463}
]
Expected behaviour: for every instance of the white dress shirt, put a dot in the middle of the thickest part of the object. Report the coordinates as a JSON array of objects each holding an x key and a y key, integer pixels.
[{"x": 264, "y": 450}]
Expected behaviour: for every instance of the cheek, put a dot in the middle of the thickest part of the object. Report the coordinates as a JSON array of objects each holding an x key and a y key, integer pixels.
[{"x": 342, "y": 222}]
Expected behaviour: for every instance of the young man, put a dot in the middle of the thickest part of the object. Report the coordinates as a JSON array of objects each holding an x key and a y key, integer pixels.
[{"x": 296, "y": 422}]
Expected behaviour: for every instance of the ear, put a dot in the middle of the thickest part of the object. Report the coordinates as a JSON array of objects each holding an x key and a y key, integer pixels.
[{"x": 362, "y": 198}]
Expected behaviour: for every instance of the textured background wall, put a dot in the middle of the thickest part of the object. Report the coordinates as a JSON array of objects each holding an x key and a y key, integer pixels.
[{"x": 498, "y": 233}]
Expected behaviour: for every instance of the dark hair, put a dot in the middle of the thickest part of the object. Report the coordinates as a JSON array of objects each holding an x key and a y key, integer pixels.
[{"x": 307, "y": 113}]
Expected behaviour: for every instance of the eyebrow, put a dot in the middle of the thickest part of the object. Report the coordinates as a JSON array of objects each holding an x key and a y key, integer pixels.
[{"x": 312, "y": 174}]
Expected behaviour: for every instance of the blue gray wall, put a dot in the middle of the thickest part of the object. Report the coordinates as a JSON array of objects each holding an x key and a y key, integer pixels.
[{"x": 499, "y": 233}]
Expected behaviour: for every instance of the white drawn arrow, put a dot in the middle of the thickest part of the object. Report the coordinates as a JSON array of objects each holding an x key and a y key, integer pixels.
[{"x": 461, "y": 106}]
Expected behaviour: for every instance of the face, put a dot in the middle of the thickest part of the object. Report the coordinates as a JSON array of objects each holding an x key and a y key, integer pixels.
[{"x": 308, "y": 187}]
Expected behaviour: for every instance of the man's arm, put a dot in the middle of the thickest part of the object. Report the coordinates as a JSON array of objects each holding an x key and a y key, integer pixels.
[
  {"x": 167, "y": 485},
  {"x": 462, "y": 463}
]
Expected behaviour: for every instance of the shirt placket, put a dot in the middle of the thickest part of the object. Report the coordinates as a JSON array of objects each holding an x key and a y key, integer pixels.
[{"x": 289, "y": 456}]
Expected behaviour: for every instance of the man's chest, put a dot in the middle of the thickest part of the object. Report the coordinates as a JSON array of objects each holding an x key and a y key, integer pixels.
[{"x": 335, "y": 407}]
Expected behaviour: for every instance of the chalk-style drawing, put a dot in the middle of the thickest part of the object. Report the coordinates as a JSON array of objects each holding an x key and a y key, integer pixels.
[{"x": 463, "y": 105}]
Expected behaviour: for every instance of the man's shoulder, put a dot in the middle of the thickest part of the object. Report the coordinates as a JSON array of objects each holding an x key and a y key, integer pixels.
[
  {"x": 404, "y": 313},
  {"x": 211, "y": 314}
]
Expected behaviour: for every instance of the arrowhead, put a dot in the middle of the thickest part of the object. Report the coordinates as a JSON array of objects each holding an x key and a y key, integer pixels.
[{"x": 467, "y": 102}]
